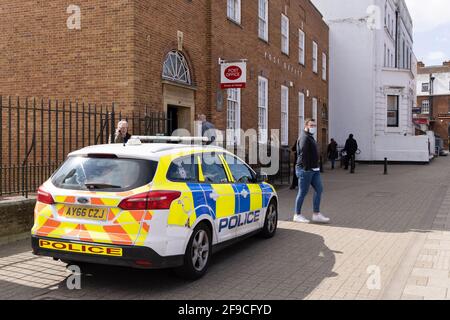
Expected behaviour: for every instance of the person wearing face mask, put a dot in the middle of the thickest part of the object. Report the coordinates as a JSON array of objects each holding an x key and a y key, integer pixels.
[{"x": 308, "y": 173}]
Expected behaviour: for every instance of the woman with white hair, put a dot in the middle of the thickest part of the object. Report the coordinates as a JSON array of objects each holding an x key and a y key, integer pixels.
[{"x": 122, "y": 135}]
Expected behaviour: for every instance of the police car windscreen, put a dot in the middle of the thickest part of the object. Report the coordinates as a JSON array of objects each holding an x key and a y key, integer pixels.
[{"x": 84, "y": 173}]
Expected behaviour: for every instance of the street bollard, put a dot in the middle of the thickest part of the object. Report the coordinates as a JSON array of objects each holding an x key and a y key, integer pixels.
[{"x": 385, "y": 166}]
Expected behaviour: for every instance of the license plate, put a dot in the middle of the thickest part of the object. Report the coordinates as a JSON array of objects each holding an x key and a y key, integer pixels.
[
  {"x": 96, "y": 214},
  {"x": 80, "y": 248}
]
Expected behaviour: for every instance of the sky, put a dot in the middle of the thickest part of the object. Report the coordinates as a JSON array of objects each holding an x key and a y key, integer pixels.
[{"x": 431, "y": 19}]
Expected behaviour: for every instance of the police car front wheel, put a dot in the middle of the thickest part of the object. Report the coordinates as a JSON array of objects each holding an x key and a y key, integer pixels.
[
  {"x": 271, "y": 221},
  {"x": 198, "y": 253}
]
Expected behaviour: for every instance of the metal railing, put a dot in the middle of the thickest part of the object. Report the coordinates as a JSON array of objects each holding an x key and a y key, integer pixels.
[{"x": 37, "y": 135}]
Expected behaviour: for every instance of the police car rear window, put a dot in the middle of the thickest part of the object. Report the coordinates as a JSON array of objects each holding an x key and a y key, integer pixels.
[{"x": 104, "y": 174}]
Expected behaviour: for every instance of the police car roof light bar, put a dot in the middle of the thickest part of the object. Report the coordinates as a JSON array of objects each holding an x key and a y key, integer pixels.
[{"x": 169, "y": 139}]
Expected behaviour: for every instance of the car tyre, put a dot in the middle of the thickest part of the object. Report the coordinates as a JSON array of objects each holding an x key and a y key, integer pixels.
[
  {"x": 271, "y": 221},
  {"x": 198, "y": 254}
]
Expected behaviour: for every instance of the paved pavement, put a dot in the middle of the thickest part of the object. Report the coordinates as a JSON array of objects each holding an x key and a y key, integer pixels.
[{"x": 390, "y": 239}]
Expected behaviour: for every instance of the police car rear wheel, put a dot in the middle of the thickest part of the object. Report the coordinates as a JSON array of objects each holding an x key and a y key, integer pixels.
[
  {"x": 271, "y": 222},
  {"x": 197, "y": 254},
  {"x": 200, "y": 250}
]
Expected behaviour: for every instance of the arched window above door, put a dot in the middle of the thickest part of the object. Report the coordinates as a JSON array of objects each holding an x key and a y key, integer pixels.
[{"x": 176, "y": 68}]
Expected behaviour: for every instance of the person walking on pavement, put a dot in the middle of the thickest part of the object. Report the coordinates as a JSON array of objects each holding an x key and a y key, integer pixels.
[
  {"x": 308, "y": 173},
  {"x": 332, "y": 152},
  {"x": 351, "y": 147},
  {"x": 208, "y": 129}
]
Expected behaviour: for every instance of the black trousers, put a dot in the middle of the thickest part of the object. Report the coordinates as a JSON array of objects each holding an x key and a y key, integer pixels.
[{"x": 347, "y": 160}]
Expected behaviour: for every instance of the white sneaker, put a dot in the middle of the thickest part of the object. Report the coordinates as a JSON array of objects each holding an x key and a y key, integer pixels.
[
  {"x": 319, "y": 218},
  {"x": 300, "y": 219}
]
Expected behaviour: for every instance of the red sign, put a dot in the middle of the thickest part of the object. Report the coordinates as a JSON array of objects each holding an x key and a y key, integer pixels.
[
  {"x": 232, "y": 85},
  {"x": 233, "y": 75},
  {"x": 421, "y": 121}
]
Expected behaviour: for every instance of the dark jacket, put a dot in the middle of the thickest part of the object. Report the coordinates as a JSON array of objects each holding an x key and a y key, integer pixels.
[
  {"x": 118, "y": 138},
  {"x": 332, "y": 151},
  {"x": 209, "y": 131},
  {"x": 351, "y": 146},
  {"x": 307, "y": 152}
]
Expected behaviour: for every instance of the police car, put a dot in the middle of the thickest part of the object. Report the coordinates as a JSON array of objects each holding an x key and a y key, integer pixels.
[{"x": 151, "y": 205}]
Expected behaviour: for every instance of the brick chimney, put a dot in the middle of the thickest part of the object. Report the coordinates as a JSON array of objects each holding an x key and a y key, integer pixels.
[
  {"x": 420, "y": 64},
  {"x": 446, "y": 63}
]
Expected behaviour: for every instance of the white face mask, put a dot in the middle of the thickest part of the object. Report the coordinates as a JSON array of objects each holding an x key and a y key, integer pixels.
[{"x": 312, "y": 130}]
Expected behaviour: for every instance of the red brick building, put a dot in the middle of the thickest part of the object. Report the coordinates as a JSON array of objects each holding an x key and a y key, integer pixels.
[
  {"x": 118, "y": 51},
  {"x": 433, "y": 91}
]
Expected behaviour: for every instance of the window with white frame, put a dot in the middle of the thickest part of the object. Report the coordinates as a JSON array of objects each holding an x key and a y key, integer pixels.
[
  {"x": 324, "y": 66},
  {"x": 426, "y": 87},
  {"x": 315, "y": 53},
  {"x": 263, "y": 17},
  {"x": 301, "y": 113},
  {"x": 284, "y": 115},
  {"x": 314, "y": 113},
  {"x": 301, "y": 47},
  {"x": 284, "y": 34},
  {"x": 393, "y": 111},
  {"x": 426, "y": 107},
  {"x": 176, "y": 68},
  {"x": 233, "y": 116},
  {"x": 263, "y": 109},
  {"x": 234, "y": 10}
]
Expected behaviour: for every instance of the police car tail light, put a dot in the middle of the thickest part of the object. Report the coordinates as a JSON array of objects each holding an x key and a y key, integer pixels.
[
  {"x": 160, "y": 200},
  {"x": 153, "y": 200},
  {"x": 137, "y": 202},
  {"x": 44, "y": 197}
]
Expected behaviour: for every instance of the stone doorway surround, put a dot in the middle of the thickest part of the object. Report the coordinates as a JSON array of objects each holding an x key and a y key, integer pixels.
[{"x": 182, "y": 97}]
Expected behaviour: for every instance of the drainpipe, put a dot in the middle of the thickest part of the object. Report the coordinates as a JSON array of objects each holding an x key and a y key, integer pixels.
[
  {"x": 432, "y": 78},
  {"x": 397, "y": 31}
]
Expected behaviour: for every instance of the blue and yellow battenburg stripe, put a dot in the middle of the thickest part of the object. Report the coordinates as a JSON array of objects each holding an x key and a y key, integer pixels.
[{"x": 225, "y": 200}]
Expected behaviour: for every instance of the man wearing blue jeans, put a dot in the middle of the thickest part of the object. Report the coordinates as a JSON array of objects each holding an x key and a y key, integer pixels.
[{"x": 308, "y": 173}]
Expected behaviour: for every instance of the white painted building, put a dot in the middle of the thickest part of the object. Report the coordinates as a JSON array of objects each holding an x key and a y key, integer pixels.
[
  {"x": 372, "y": 78},
  {"x": 441, "y": 80}
]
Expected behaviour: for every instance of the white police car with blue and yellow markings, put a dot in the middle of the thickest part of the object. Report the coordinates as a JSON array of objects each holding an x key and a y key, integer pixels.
[{"x": 152, "y": 205}]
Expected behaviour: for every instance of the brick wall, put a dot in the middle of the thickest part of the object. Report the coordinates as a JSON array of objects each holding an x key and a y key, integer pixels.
[
  {"x": 16, "y": 216},
  {"x": 118, "y": 54},
  {"x": 156, "y": 24},
  {"x": 41, "y": 57},
  {"x": 441, "y": 106},
  {"x": 232, "y": 41}
]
